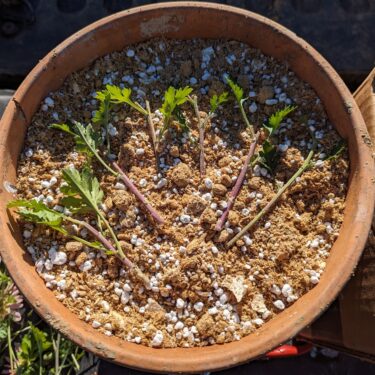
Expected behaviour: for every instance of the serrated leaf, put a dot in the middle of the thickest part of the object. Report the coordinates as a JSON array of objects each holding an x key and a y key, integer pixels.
[
  {"x": 216, "y": 101},
  {"x": 102, "y": 113},
  {"x": 269, "y": 156},
  {"x": 74, "y": 204},
  {"x": 85, "y": 186},
  {"x": 86, "y": 138},
  {"x": 236, "y": 89},
  {"x": 173, "y": 98},
  {"x": 67, "y": 128},
  {"x": 182, "y": 94},
  {"x": 40, "y": 338},
  {"x": 38, "y": 213},
  {"x": 121, "y": 96},
  {"x": 276, "y": 119},
  {"x": 182, "y": 120}
]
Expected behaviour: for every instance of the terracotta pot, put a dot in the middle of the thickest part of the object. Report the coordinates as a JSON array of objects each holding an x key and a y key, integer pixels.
[{"x": 190, "y": 20}]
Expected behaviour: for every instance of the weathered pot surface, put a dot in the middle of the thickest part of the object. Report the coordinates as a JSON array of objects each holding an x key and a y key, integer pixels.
[{"x": 185, "y": 20}]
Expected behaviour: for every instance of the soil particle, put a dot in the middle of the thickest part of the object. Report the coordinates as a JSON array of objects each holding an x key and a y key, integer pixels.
[
  {"x": 205, "y": 325},
  {"x": 208, "y": 216},
  {"x": 73, "y": 246},
  {"x": 219, "y": 189},
  {"x": 180, "y": 175},
  {"x": 122, "y": 200}
]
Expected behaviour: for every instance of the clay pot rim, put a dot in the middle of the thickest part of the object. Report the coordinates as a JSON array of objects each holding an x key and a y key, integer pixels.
[{"x": 217, "y": 356}]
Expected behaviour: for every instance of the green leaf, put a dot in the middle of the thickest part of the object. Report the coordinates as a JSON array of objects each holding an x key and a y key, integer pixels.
[
  {"x": 67, "y": 128},
  {"x": 85, "y": 186},
  {"x": 173, "y": 98},
  {"x": 38, "y": 213},
  {"x": 184, "y": 124},
  {"x": 237, "y": 90},
  {"x": 74, "y": 204},
  {"x": 181, "y": 95},
  {"x": 26, "y": 345},
  {"x": 269, "y": 156},
  {"x": 3, "y": 330},
  {"x": 182, "y": 120},
  {"x": 102, "y": 114},
  {"x": 216, "y": 101},
  {"x": 86, "y": 138},
  {"x": 276, "y": 119},
  {"x": 122, "y": 96},
  {"x": 41, "y": 340}
]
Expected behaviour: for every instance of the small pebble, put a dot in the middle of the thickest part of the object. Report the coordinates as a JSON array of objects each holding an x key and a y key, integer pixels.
[
  {"x": 198, "y": 306},
  {"x": 180, "y": 303},
  {"x": 253, "y": 107},
  {"x": 120, "y": 186},
  {"x": 96, "y": 324},
  {"x": 130, "y": 53},
  {"x": 157, "y": 339},
  {"x": 279, "y": 304}
]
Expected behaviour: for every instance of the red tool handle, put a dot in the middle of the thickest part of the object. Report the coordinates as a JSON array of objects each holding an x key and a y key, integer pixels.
[{"x": 289, "y": 351}]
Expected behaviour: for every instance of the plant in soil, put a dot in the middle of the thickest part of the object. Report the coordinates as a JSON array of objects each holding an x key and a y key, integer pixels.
[
  {"x": 215, "y": 102},
  {"x": 88, "y": 141},
  {"x": 268, "y": 157},
  {"x": 207, "y": 165},
  {"x": 239, "y": 97},
  {"x": 171, "y": 110},
  {"x": 82, "y": 195},
  {"x": 306, "y": 165},
  {"x": 269, "y": 154}
]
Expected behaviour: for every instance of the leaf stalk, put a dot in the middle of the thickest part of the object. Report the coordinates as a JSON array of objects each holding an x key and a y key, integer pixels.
[{"x": 266, "y": 209}]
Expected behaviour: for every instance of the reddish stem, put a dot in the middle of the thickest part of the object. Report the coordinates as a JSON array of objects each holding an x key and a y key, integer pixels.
[
  {"x": 237, "y": 187},
  {"x": 106, "y": 243},
  {"x": 202, "y": 163},
  {"x": 151, "y": 129},
  {"x": 137, "y": 193}
]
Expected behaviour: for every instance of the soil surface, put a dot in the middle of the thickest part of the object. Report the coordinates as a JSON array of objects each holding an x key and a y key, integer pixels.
[{"x": 201, "y": 292}]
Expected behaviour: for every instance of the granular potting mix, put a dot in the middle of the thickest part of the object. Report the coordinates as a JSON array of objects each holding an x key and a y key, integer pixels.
[{"x": 179, "y": 281}]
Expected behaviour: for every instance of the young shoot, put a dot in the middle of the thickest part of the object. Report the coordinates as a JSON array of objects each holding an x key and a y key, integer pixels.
[
  {"x": 239, "y": 96},
  {"x": 237, "y": 187},
  {"x": 215, "y": 102},
  {"x": 269, "y": 154},
  {"x": 173, "y": 99},
  {"x": 122, "y": 96},
  {"x": 305, "y": 165},
  {"x": 101, "y": 115},
  {"x": 82, "y": 193},
  {"x": 113, "y": 95},
  {"x": 240, "y": 99},
  {"x": 88, "y": 142}
]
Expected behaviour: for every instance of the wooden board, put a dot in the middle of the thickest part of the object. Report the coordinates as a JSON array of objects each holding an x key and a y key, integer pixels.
[{"x": 349, "y": 324}]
